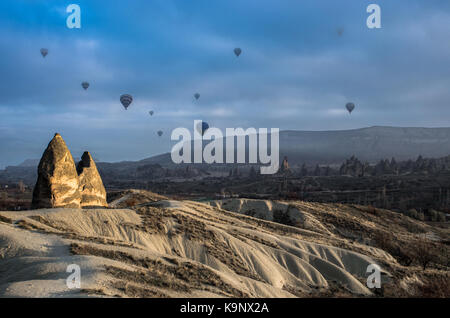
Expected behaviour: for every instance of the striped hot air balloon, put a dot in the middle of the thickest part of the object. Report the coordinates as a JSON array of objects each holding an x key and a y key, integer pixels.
[
  {"x": 202, "y": 127},
  {"x": 350, "y": 107},
  {"x": 44, "y": 52},
  {"x": 126, "y": 100}
]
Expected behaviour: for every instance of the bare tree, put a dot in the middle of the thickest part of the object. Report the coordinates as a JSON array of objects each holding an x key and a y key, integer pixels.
[{"x": 424, "y": 253}]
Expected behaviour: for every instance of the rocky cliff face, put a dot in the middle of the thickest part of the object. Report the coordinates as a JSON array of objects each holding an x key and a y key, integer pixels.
[
  {"x": 57, "y": 184},
  {"x": 61, "y": 184},
  {"x": 93, "y": 192}
]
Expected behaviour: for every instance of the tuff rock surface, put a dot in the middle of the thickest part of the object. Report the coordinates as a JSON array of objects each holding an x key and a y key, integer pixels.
[
  {"x": 61, "y": 184},
  {"x": 93, "y": 192},
  {"x": 57, "y": 184}
]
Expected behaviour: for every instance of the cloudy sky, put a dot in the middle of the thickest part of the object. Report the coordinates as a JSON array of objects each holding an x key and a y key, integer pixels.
[{"x": 295, "y": 72}]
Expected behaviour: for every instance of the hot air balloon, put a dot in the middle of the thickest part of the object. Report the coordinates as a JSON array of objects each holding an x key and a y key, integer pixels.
[
  {"x": 85, "y": 85},
  {"x": 350, "y": 107},
  {"x": 126, "y": 100},
  {"x": 44, "y": 52},
  {"x": 159, "y": 133},
  {"x": 197, "y": 95},
  {"x": 237, "y": 51},
  {"x": 340, "y": 31},
  {"x": 151, "y": 113},
  {"x": 202, "y": 127}
]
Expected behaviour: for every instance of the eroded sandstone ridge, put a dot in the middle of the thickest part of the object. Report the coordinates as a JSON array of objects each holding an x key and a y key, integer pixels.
[
  {"x": 93, "y": 192},
  {"x": 60, "y": 185}
]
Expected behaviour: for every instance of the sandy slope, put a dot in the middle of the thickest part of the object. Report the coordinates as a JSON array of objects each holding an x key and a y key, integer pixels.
[
  {"x": 179, "y": 249},
  {"x": 131, "y": 197},
  {"x": 233, "y": 257}
]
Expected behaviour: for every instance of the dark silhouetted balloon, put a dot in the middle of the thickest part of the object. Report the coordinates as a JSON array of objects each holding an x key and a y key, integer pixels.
[
  {"x": 197, "y": 95},
  {"x": 237, "y": 51},
  {"x": 85, "y": 85},
  {"x": 350, "y": 107},
  {"x": 44, "y": 52},
  {"x": 126, "y": 100},
  {"x": 159, "y": 133},
  {"x": 202, "y": 127},
  {"x": 151, "y": 113},
  {"x": 340, "y": 31}
]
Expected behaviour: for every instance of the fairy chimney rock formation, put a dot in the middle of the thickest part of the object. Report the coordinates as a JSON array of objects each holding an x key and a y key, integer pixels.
[
  {"x": 61, "y": 184},
  {"x": 93, "y": 192},
  {"x": 57, "y": 184},
  {"x": 285, "y": 165}
]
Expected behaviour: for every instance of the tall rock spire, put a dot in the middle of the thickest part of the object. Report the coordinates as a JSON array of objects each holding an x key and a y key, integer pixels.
[
  {"x": 57, "y": 184},
  {"x": 285, "y": 165},
  {"x": 93, "y": 192}
]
